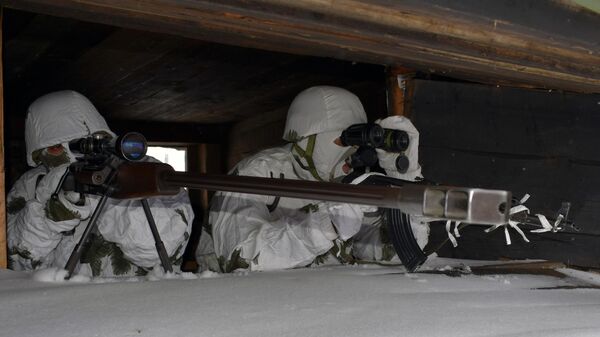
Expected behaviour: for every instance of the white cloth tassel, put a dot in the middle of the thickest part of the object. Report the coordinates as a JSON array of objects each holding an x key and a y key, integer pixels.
[
  {"x": 524, "y": 199},
  {"x": 546, "y": 226},
  {"x": 518, "y": 209},
  {"x": 456, "y": 233},
  {"x": 516, "y": 227},
  {"x": 507, "y": 236},
  {"x": 450, "y": 236},
  {"x": 513, "y": 224},
  {"x": 492, "y": 228},
  {"x": 557, "y": 222}
]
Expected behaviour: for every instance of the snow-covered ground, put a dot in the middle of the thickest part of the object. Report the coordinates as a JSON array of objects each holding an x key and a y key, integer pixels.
[{"x": 364, "y": 300}]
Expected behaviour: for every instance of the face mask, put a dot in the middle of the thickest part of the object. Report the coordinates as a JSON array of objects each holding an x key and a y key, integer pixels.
[
  {"x": 327, "y": 157},
  {"x": 49, "y": 160}
]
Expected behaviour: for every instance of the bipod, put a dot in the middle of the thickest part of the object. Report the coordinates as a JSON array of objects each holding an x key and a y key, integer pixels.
[
  {"x": 92, "y": 224},
  {"x": 160, "y": 247}
]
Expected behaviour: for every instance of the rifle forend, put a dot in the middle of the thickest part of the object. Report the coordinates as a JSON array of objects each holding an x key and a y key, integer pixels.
[{"x": 469, "y": 205}]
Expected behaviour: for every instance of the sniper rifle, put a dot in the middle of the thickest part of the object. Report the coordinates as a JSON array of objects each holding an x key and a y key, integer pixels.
[{"x": 112, "y": 169}]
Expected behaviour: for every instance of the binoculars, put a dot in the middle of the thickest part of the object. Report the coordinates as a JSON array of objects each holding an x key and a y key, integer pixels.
[
  {"x": 373, "y": 135},
  {"x": 368, "y": 137}
]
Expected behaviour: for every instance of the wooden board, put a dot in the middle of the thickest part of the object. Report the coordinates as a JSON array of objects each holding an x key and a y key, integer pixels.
[
  {"x": 499, "y": 41},
  {"x": 537, "y": 142}
]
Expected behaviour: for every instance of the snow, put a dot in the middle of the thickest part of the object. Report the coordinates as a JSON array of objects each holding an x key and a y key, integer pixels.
[{"x": 360, "y": 300}]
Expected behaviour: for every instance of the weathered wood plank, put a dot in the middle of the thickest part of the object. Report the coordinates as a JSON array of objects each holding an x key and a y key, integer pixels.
[
  {"x": 464, "y": 41},
  {"x": 115, "y": 58},
  {"x": 204, "y": 80},
  {"x": 502, "y": 120},
  {"x": 527, "y": 267}
]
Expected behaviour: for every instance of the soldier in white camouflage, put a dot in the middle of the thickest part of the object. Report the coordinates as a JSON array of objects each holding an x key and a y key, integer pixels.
[
  {"x": 44, "y": 226},
  {"x": 266, "y": 233}
]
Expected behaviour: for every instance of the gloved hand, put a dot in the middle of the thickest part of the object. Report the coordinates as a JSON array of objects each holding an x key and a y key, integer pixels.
[
  {"x": 47, "y": 185},
  {"x": 348, "y": 218},
  {"x": 387, "y": 160},
  {"x": 65, "y": 206}
]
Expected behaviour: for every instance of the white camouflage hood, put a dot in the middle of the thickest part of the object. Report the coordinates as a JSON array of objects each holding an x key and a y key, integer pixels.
[
  {"x": 322, "y": 109},
  {"x": 60, "y": 117}
]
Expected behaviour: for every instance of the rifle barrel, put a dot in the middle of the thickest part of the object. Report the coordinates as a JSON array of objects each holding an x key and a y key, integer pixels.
[{"x": 469, "y": 205}]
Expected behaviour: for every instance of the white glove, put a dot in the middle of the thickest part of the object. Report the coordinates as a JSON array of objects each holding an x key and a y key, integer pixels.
[
  {"x": 49, "y": 182},
  {"x": 47, "y": 186},
  {"x": 387, "y": 160}
]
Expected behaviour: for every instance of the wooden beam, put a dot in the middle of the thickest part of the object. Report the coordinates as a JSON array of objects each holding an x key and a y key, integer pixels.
[
  {"x": 400, "y": 88},
  {"x": 3, "y": 247},
  {"x": 519, "y": 42},
  {"x": 527, "y": 267}
]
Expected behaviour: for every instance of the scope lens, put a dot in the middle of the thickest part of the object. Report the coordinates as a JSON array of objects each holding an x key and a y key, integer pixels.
[
  {"x": 363, "y": 135},
  {"x": 395, "y": 140},
  {"x": 132, "y": 146}
]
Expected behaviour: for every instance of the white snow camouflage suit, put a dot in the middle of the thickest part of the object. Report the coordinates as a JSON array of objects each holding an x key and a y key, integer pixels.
[
  {"x": 266, "y": 233},
  {"x": 42, "y": 232}
]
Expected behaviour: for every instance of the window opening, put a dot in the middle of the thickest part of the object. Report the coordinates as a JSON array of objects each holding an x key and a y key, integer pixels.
[{"x": 174, "y": 156}]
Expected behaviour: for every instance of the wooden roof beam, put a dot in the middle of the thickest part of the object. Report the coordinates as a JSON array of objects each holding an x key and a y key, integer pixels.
[{"x": 491, "y": 42}]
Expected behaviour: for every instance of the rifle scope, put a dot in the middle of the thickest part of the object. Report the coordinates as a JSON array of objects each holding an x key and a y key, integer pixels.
[
  {"x": 370, "y": 134},
  {"x": 131, "y": 146}
]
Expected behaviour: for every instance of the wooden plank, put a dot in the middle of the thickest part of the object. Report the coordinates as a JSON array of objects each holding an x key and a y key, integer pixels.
[
  {"x": 527, "y": 267},
  {"x": 495, "y": 42},
  {"x": 115, "y": 58},
  {"x": 535, "y": 123},
  {"x": 209, "y": 78},
  {"x": 530, "y": 268},
  {"x": 3, "y": 247}
]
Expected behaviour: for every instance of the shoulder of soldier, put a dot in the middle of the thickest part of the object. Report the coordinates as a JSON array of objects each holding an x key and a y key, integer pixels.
[
  {"x": 26, "y": 183},
  {"x": 30, "y": 177},
  {"x": 264, "y": 163}
]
